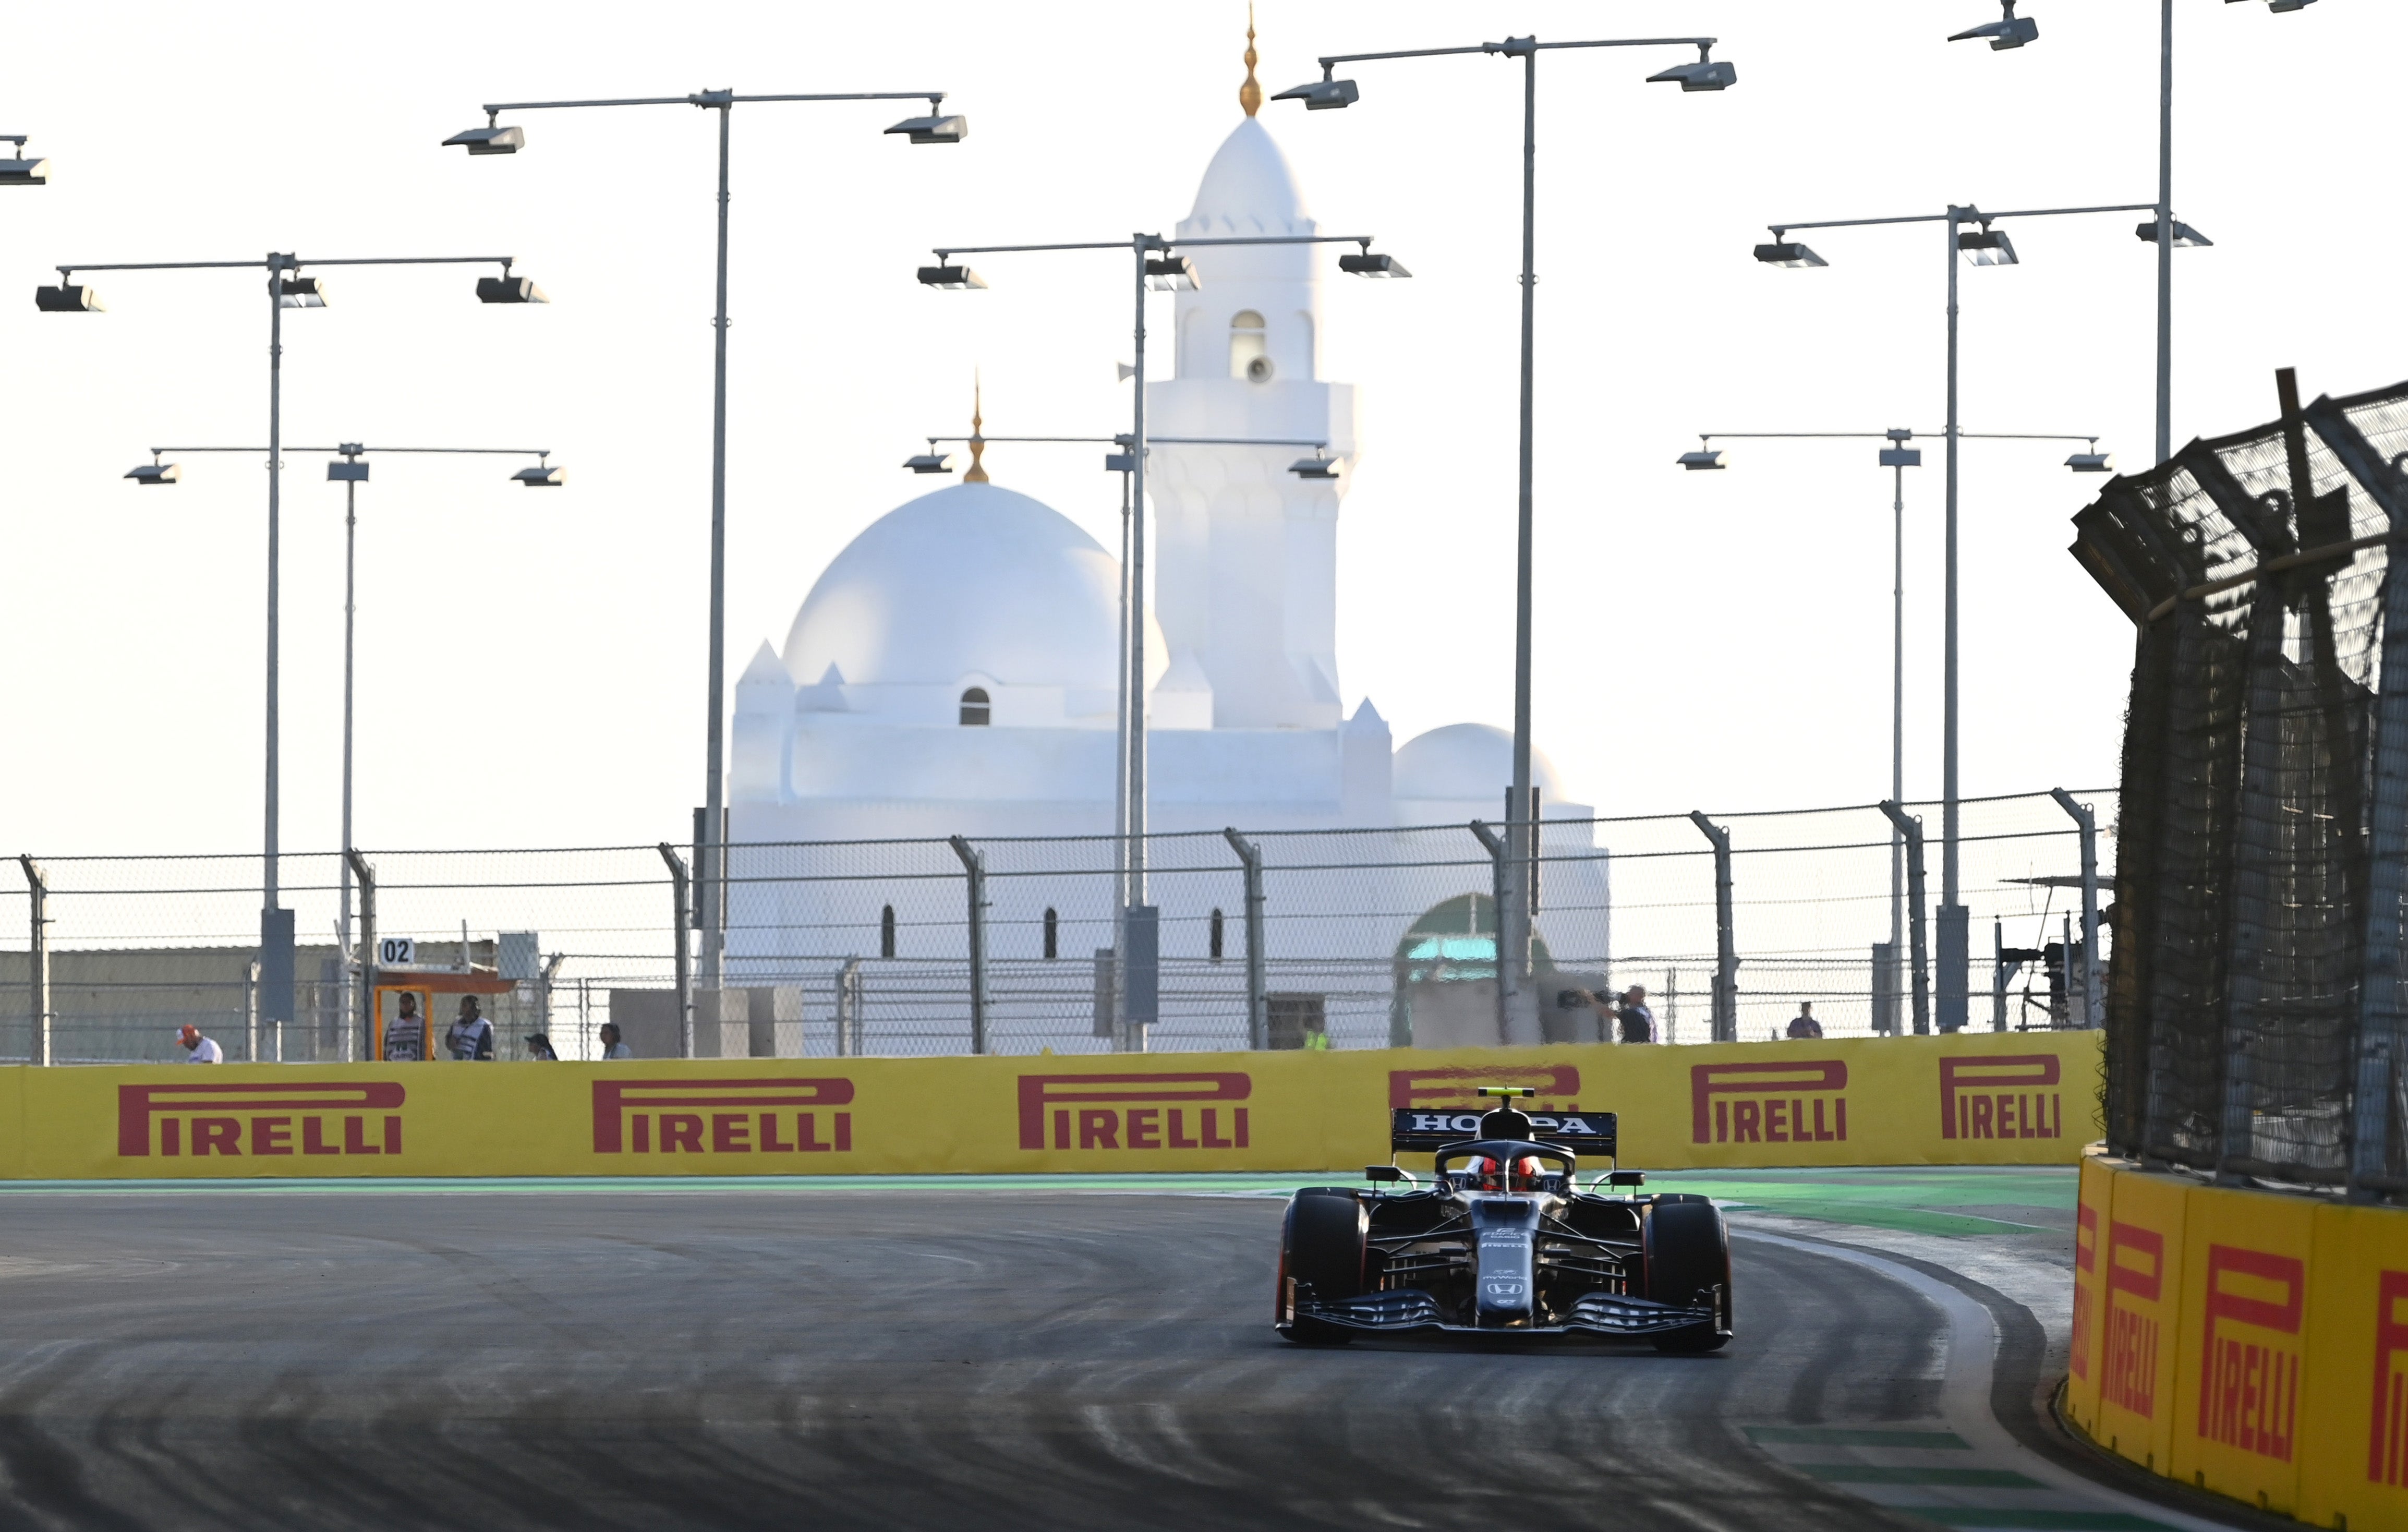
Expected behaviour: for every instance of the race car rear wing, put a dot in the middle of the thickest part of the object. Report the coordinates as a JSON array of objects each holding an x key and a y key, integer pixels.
[{"x": 1583, "y": 1133}]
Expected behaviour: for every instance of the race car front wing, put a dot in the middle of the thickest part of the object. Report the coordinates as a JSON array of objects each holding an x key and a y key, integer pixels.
[{"x": 1409, "y": 1309}]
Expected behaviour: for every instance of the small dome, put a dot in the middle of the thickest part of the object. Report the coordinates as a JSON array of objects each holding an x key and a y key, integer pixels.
[
  {"x": 1468, "y": 762},
  {"x": 974, "y": 578},
  {"x": 1248, "y": 189}
]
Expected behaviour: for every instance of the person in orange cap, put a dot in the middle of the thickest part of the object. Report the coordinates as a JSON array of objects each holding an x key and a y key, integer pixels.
[{"x": 197, "y": 1049}]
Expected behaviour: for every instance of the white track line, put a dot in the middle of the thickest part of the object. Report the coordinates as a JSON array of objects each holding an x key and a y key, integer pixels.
[{"x": 1964, "y": 1391}]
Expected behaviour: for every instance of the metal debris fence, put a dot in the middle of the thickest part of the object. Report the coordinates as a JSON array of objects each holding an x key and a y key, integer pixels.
[
  {"x": 2255, "y": 1023},
  {"x": 1370, "y": 937}
]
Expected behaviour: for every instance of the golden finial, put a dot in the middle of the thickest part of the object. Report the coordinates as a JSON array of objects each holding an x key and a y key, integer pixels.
[
  {"x": 1249, "y": 94},
  {"x": 976, "y": 473}
]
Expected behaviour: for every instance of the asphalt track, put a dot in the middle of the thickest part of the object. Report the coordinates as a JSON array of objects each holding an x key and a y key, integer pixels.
[{"x": 988, "y": 1358}]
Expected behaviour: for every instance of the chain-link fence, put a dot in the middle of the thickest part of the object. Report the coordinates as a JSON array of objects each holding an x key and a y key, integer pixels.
[
  {"x": 1367, "y": 937},
  {"x": 2256, "y": 1015}
]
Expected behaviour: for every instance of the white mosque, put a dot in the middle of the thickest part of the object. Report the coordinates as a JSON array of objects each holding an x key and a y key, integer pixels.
[{"x": 953, "y": 672}]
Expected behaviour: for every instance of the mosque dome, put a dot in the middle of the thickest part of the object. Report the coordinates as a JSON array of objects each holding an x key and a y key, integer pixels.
[
  {"x": 1248, "y": 189},
  {"x": 1470, "y": 763},
  {"x": 972, "y": 580}
]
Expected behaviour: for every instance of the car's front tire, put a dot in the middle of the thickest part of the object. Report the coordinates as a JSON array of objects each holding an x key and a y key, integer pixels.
[
  {"x": 1323, "y": 1246},
  {"x": 1689, "y": 1264}
]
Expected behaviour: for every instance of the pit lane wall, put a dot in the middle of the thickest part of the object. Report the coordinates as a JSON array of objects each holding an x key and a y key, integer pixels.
[
  {"x": 1968, "y": 1099},
  {"x": 2247, "y": 1342}
]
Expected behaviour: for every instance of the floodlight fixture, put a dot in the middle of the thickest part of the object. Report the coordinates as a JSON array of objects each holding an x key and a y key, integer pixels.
[
  {"x": 68, "y": 298},
  {"x": 1371, "y": 263},
  {"x": 1987, "y": 247},
  {"x": 1789, "y": 253},
  {"x": 155, "y": 473},
  {"x": 347, "y": 471},
  {"x": 1323, "y": 95},
  {"x": 509, "y": 289},
  {"x": 1315, "y": 466},
  {"x": 2010, "y": 32},
  {"x": 2278, "y": 7},
  {"x": 2093, "y": 461},
  {"x": 1120, "y": 463},
  {"x": 543, "y": 476},
  {"x": 1171, "y": 274},
  {"x": 489, "y": 140},
  {"x": 2185, "y": 238},
  {"x": 951, "y": 278},
  {"x": 934, "y": 130},
  {"x": 1704, "y": 75},
  {"x": 931, "y": 460},
  {"x": 21, "y": 169},
  {"x": 1705, "y": 459},
  {"x": 1902, "y": 458},
  {"x": 301, "y": 291}
]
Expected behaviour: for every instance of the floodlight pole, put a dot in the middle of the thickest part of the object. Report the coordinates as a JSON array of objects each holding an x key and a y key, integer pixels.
[
  {"x": 1514, "y": 916},
  {"x": 709, "y": 886},
  {"x": 352, "y": 452},
  {"x": 1953, "y": 953},
  {"x": 275, "y": 923},
  {"x": 2165, "y": 212}
]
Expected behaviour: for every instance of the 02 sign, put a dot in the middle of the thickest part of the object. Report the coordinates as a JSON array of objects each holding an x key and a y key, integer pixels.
[{"x": 394, "y": 951}]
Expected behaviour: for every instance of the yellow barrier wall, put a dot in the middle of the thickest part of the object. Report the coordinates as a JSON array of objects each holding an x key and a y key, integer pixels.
[
  {"x": 1969, "y": 1099},
  {"x": 2245, "y": 1342}
]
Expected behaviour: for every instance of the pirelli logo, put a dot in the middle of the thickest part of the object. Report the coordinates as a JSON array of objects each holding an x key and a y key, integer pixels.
[
  {"x": 1789, "y": 1102},
  {"x": 2386, "y": 1452},
  {"x": 2086, "y": 1265},
  {"x": 2249, "y": 1357},
  {"x": 2136, "y": 1269},
  {"x": 1179, "y": 1111},
  {"x": 2003, "y": 1096},
  {"x": 229, "y": 1119},
  {"x": 794, "y": 1116}
]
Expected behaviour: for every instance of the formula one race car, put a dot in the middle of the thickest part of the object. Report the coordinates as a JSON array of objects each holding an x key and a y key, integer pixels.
[{"x": 1503, "y": 1240}]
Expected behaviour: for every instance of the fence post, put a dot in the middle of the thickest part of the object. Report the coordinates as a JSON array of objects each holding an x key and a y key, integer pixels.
[
  {"x": 679, "y": 883},
  {"x": 1496, "y": 845},
  {"x": 250, "y": 1011},
  {"x": 1258, "y": 1023},
  {"x": 1726, "y": 944},
  {"x": 366, "y": 956},
  {"x": 974, "y": 863},
  {"x": 2088, "y": 820},
  {"x": 1911, "y": 828},
  {"x": 848, "y": 1007},
  {"x": 2380, "y": 1015},
  {"x": 37, "y": 1014}
]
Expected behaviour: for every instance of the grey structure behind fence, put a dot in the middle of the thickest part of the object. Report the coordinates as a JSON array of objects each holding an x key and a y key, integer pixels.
[{"x": 2255, "y": 1016}]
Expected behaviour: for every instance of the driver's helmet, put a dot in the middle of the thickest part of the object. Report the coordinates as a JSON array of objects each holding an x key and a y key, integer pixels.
[{"x": 1491, "y": 1172}]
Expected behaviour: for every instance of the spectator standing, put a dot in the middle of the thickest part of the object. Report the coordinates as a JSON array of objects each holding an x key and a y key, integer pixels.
[
  {"x": 199, "y": 1049},
  {"x": 471, "y": 1037},
  {"x": 1636, "y": 1021},
  {"x": 611, "y": 1047},
  {"x": 405, "y": 1039},
  {"x": 1803, "y": 1024}
]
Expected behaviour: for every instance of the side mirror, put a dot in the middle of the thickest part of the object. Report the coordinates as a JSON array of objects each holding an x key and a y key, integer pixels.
[
  {"x": 1382, "y": 1172},
  {"x": 1626, "y": 1178}
]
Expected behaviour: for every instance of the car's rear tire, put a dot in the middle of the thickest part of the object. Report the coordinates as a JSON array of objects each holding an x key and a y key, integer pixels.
[
  {"x": 1323, "y": 1246},
  {"x": 1689, "y": 1263}
]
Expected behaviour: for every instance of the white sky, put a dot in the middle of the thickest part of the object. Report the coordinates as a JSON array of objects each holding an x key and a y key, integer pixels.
[{"x": 531, "y": 664}]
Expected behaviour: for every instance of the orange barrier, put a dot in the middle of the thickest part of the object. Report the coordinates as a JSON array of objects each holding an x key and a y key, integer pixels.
[
  {"x": 1982, "y": 1098},
  {"x": 2244, "y": 1342}
]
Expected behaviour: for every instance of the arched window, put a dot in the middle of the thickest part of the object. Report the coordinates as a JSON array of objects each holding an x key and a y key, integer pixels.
[
  {"x": 1052, "y": 933},
  {"x": 974, "y": 707},
  {"x": 1249, "y": 354},
  {"x": 1216, "y": 935},
  {"x": 886, "y": 932}
]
